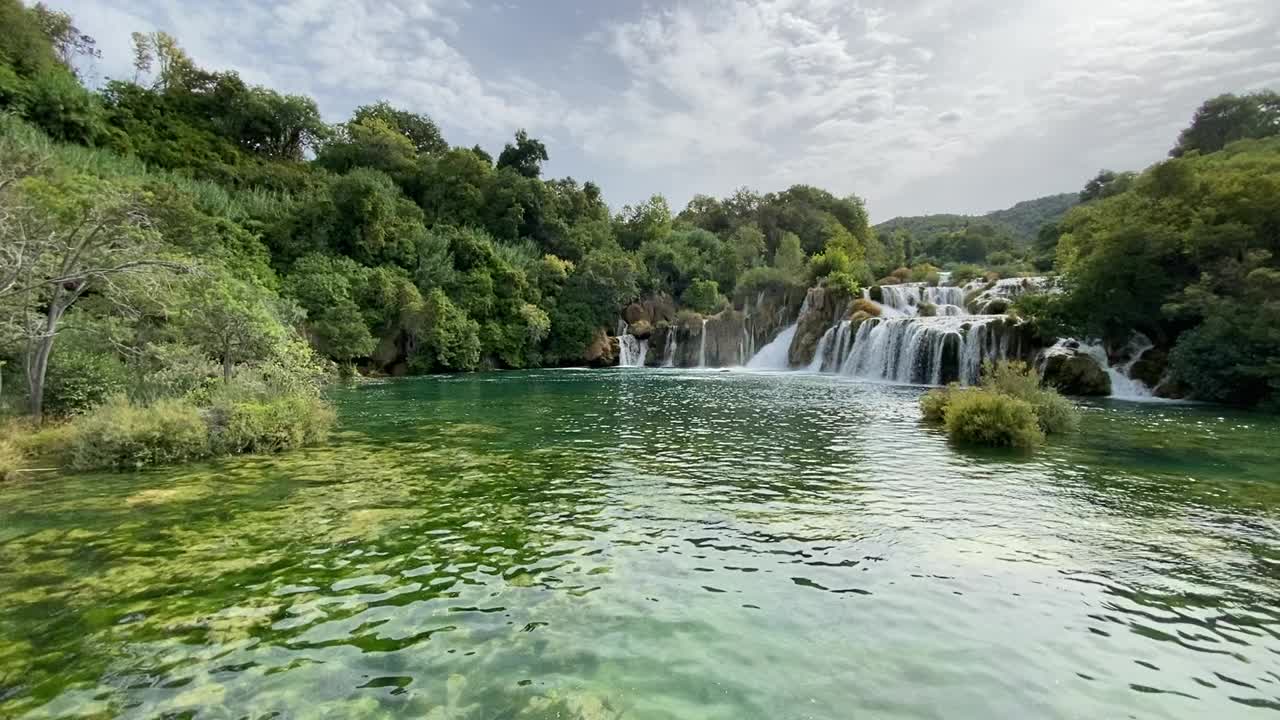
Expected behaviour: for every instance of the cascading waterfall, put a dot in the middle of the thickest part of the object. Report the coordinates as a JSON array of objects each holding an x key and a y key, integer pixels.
[
  {"x": 632, "y": 351},
  {"x": 702, "y": 350},
  {"x": 906, "y": 299},
  {"x": 929, "y": 350},
  {"x": 669, "y": 353},
  {"x": 774, "y": 356},
  {"x": 1123, "y": 387}
]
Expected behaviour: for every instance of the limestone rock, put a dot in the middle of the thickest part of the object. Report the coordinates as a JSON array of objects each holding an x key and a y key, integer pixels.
[
  {"x": 1073, "y": 371},
  {"x": 603, "y": 350}
]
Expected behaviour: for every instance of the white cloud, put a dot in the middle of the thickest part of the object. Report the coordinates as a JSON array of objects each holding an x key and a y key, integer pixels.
[
  {"x": 918, "y": 105},
  {"x": 882, "y": 100},
  {"x": 342, "y": 52}
]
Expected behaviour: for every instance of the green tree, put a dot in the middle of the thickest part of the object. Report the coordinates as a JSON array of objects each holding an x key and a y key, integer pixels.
[
  {"x": 421, "y": 131},
  {"x": 232, "y": 321},
  {"x": 703, "y": 296},
  {"x": 525, "y": 157},
  {"x": 451, "y": 340},
  {"x": 1228, "y": 118},
  {"x": 789, "y": 257},
  {"x": 63, "y": 237}
]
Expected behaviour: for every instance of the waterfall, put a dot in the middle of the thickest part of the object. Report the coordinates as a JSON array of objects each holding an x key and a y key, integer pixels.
[
  {"x": 906, "y": 299},
  {"x": 820, "y": 355},
  {"x": 631, "y": 351},
  {"x": 928, "y": 350},
  {"x": 669, "y": 353},
  {"x": 702, "y": 350},
  {"x": 774, "y": 356},
  {"x": 1123, "y": 387}
]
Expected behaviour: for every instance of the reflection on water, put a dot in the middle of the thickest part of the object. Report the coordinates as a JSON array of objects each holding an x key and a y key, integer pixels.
[{"x": 647, "y": 544}]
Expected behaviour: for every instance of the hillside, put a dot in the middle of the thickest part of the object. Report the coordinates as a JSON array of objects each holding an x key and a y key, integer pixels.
[{"x": 1021, "y": 222}]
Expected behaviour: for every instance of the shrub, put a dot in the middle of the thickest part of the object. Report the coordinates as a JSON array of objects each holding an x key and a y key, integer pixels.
[
  {"x": 761, "y": 278},
  {"x": 964, "y": 272},
  {"x": 984, "y": 417},
  {"x": 120, "y": 435},
  {"x": 867, "y": 306},
  {"x": 902, "y": 274},
  {"x": 79, "y": 379},
  {"x": 925, "y": 273},
  {"x": 12, "y": 459},
  {"x": 1017, "y": 379},
  {"x": 889, "y": 280},
  {"x": 925, "y": 309},
  {"x": 704, "y": 296},
  {"x": 268, "y": 424},
  {"x": 933, "y": 404}
]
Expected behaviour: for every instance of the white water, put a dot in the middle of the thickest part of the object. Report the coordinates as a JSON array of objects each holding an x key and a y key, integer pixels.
[
  {"x": 1123, "y": 387},
  {"x": 702, "y": 350},
  {"x": 774, "y": 356},
  {"x": 906, "y": 299},
  {"x": 631, "y": 351},
  {"x": 922, "y": 350},
  {"x": 669, "y": 353}
]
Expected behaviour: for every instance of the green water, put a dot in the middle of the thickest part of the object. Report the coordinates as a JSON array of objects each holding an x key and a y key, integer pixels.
[{"x": 644, "y": 544}]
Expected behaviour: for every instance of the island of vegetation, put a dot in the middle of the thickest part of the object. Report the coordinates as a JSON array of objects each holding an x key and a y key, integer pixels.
[{"x": 187, "y": 259}]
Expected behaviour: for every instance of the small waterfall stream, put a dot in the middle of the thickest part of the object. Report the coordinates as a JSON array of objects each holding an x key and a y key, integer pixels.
[
  {"x": 632, "y": 351},
  {"x": 702, "y": 350},
  {"x": 774, "y": 356},
  {"x": 669, "y": 352}
]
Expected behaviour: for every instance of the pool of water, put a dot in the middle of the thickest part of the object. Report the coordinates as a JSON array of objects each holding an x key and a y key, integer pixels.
[{"x": 658, "y": 544}]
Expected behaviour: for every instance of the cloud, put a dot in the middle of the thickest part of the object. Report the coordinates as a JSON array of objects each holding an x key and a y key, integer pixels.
[
  {"x": 917, "y": 95},
  {"x": 918, "y": 105},
  {"x": 342, "y": 52}
]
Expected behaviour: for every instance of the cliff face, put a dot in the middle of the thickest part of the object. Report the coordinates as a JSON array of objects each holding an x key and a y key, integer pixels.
[{"x": 823, "y": 308}]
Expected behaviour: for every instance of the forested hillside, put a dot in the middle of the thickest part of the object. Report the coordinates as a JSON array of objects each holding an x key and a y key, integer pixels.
[
  {"x": 1006, "y": 234},
  {"x": 186, "y": 217}
]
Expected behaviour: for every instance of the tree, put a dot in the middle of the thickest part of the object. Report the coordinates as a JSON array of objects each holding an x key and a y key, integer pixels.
[
  {"x": 421, "y": 131},
  {"x": 1105, "y": 184},
  {"x": 789, "y": 257},
  {"x": 369, "y": 143},
  {"x": 24, "y": 43},
  {"x": 233, "y": 321},
  {"x": 1228, "y": 118},
  {"x": 703, "y": 296},
  {"x": 68, "y": 42},
  {"x": 61, "y": 238},
  {"x": 647, "y": 222},
  {"x": 525, "y": 157}
]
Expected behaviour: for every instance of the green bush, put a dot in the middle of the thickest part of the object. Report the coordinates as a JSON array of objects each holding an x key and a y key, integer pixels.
[
  {"x": 703, "y": 296},
  {"x": 964, "y": 272},
  {"x": 80, "y": 379},
  {"x": 12, "y": 459},
  {"x": 983, "y": 417},
  {"x": 1017, "y": 379},
  {"x": 119, "y": 434},
  {"x": 933, "y": 405},
  {"x": 1009, "y": 410},
  {"x": 268, "y": 424}
]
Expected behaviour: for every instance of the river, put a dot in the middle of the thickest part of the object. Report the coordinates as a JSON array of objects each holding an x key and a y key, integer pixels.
[{"x": 658, "y": 544}]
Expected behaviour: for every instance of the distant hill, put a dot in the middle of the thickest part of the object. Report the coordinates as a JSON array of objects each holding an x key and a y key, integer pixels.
[{"x": 1022, "y": 221}]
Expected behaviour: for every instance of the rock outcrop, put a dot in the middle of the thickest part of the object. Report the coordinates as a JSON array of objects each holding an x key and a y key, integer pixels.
[
  {"x": 823, "y": 307},
  {"x": 1067, "y": 367}
]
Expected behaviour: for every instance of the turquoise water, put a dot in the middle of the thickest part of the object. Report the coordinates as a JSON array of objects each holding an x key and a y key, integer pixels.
[{"x": 658, "y": 544}]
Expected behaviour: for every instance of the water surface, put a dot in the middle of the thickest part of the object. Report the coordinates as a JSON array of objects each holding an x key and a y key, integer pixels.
[{"x": 658, "y": 544}]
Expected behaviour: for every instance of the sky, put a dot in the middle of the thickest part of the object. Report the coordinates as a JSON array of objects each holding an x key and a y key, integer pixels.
[{"x": 917, "y": 106}]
